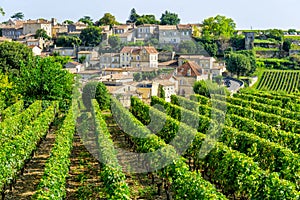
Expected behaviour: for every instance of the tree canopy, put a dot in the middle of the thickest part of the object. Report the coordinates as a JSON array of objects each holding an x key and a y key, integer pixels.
[
  {"x": 12, "y": 55},
  {"x": 146, "y": 19},
  {"x": 18, "y": 16},
  {"x": 41, "y": 33},
  {"x": 108, "y": 19},
  {"x": 238, "y": 63},
  {"x": 91, "y": 36},
  {"x": 133, "y": 16},
  {"x": 276, "y": 34},
  {"x": 169, "y": 18},
  {"x": 68, "y": 22},
  {"x": 86, "y": 20},
  {"x": 218, "y": 26},
  {"x": 45, "y": 79},
  {"x": 68, "y": 41},
  {"x": 114, "y": 41},
  {"x": 187, "y": 47}
]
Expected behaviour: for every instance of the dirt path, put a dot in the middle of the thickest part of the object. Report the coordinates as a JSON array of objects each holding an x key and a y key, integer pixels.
[
  {"x": 84, "y": 182},
  {"x": 140, "y": 184},
  {"x": 27, "y": 183}
]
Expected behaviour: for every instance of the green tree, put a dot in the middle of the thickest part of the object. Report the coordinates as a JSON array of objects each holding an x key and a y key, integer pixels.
[
  {"x": 153, "y": 42},
  {"x": 12, "y": 55},
  {"x": 91, "y": 36},
  {"x": 169, "y": 48},
  {"x": 68, "y": 41},
  {"x": 18, "y": 16},
  {"x": 146, "y": 19},
  {"x": 187, "y": 47},
  {"x": 287, "y": 44},
  {"x": 210, "y": 46},
  {"x": 41, "y": 33},
  {"x": 252, "y": 58},
  {"x": 108, "y": 19},
  {"x": 86, "y": 20},
  {"x": 218, "y": 26},
  {"x": 292, "y": 31},
  {"x": 63, "y": 60},
  {"x": 237, "y": 42},
  {"x": 238, "y": 64},
  {"x": 169, "y": 18},
  {"x": 45, "y": 79},
  {"x": 276, "y": 34},
  {"x": 200, "y": 87},
  {"x": 102, "y": 96},
  {"x": 68, "y": 22},
  {"x": 133, "y": 16},
  {"x": 2, "y": 11},
  {"x": 114, "y": 41}
]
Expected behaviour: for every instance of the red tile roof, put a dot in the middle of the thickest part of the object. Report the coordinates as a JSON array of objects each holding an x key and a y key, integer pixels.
[{"x": 195, "y": 68}]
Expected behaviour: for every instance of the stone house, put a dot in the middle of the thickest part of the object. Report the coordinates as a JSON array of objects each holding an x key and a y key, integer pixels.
[
  {"x": 13, "y": 29},
  {"x": 185, "y": 32},
  {"x": 139, "y": 57},
  {"x": 174, "y": 34},
  {"x": 121, "y": 29},
  {"x": 146, "y": 32},
  {"x": 208, "y": 64},
  {"x": 168, "y": 34},
  {"x": 31, "y": 26},
  {"x": 110, "y": 60},
  {"x": 186, "y": 75},
  {"x": 76, "y": 27},
  {"x": 144, "y": 57}
]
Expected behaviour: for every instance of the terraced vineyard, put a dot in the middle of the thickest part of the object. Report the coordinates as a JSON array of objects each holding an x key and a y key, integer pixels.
[
  {"x": 285, "y": 81},
  {"x": 251, "y": 142}
]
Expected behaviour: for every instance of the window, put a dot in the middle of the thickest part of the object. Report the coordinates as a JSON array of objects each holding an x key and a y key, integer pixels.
[{"x": 138, "y": 57}]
